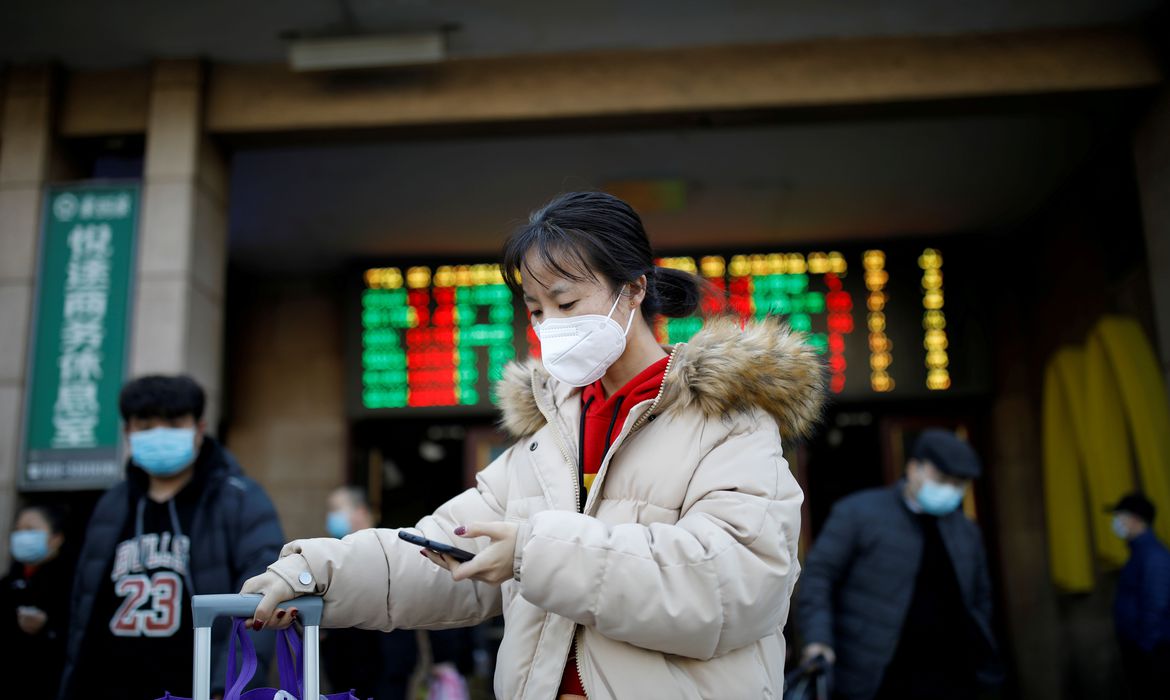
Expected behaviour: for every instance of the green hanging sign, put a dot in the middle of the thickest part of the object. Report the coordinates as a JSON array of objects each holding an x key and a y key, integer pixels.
[{"x": 77, "y": 360}]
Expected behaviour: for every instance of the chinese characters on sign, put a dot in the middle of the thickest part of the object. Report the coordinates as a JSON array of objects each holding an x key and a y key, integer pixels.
[
  {"x": 72, "y": 438},
  {"x": 87, "y": 283}
]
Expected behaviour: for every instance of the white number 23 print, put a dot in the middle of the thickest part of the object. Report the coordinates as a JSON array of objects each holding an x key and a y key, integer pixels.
[{"x": 152, "y": 605}]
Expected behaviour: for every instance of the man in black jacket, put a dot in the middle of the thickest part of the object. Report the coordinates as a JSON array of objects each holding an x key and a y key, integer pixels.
[
  {"x": 895, "y": 593},
  {"x": 184, "y": 521}
]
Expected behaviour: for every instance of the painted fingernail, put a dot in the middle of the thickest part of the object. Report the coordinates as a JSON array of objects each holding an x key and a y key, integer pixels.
[
  {"x": 279, "y": 613},
  {"x": 422, "y": 552},
  {"x": 293, "y": 613},
  {"x": 257, "y": 625},
  {"x": 461, "y": 531}
]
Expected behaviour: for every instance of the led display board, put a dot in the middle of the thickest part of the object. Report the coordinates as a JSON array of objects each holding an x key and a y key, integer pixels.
[{"x": 438, "y": 336}]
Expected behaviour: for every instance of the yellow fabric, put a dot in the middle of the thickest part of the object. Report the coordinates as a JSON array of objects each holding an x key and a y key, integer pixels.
[
  {"x": 1107, "y": 457},
  {"x": 1069, "y": 556},
  {"x": 1139, "y": 379},
  {"x": 1102, "y": 406}
]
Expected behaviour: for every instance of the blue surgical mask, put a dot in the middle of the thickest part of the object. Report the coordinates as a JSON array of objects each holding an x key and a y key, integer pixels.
[
  {"x": 337, "y": 524},
  {"x": 938, "y": 499},
  {"x": 30, "y": 546},
  {"x": 1119, "y": 528},
  {"x": 163, "y": 451}
]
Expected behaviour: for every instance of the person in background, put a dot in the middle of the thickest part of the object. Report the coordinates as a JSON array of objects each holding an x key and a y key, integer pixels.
[
  {"x": 1141, "y": 610},
  {"x": 184, "y": 521},
  {"x": 895, "y": 594},
  {"x": 34, "y": 600},
  {"x": 383, "y": 665}
]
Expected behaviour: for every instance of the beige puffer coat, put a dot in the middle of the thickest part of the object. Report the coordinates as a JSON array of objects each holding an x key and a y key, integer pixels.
[{"x": 673, "y": 583}]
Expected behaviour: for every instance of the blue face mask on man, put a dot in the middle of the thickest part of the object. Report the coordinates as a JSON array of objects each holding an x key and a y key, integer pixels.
[
  {"x": 938, "y": 499},
  {"x": 337, "y": 524},
  {"x": 163, "y": 451},
  {"x": 29, "y": 546}
]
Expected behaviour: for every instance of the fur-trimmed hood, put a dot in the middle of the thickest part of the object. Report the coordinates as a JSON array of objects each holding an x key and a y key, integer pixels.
[{"x": 724, "y": 368}]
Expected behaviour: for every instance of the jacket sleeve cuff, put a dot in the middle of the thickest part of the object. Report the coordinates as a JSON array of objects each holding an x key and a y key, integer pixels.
[
  {"x": 523, "y": 534},
  {"x": 294, "y": 570}
]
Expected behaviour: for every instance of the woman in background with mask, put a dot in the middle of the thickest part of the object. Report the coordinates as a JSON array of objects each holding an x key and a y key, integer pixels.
[
  {"x": 34, "y": 600},
  {"x": 640, "y": 536}
]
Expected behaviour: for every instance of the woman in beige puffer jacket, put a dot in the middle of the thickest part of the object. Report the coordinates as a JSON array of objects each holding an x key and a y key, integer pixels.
[{"x": 673, "y": 578}]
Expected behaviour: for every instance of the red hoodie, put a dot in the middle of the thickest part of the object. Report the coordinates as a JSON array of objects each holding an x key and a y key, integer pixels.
[{"x": 603, "y": 419}]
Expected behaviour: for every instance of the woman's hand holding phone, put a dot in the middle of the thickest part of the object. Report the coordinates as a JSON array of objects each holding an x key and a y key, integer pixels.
[{"x": 493, "y": 564}]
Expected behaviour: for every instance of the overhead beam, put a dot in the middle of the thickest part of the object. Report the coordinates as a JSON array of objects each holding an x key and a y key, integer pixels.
[
  {"x": 638, "y": 83},
  {"x": 106, "y": 103},
  {"x": 250, "y": 99}
]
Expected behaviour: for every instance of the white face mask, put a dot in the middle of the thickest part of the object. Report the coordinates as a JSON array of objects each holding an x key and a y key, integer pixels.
[{"x": 577, "y": 350}]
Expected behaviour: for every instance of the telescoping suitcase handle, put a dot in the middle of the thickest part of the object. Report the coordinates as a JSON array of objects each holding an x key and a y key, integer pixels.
[{"x": 205, "y": 610}]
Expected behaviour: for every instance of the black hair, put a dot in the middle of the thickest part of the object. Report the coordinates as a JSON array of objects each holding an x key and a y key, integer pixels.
[
  {"x": 582, "y": 234},
  {"x": 358, "y": 497},
  {"x": 161, "y": 396},
  {"x": 54, "y": 515}
]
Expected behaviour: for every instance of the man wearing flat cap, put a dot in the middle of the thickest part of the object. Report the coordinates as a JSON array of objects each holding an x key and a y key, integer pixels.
[
  {"x": 895, "y": 593},
  {"x": 1141, "y": 611}
]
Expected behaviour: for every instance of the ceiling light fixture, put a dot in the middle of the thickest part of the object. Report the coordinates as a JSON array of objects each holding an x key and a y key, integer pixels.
[{"x": 374, "y": 51}]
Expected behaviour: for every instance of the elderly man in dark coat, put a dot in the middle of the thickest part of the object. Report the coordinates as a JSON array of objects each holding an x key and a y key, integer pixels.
[{"x": 895, "y": 593}]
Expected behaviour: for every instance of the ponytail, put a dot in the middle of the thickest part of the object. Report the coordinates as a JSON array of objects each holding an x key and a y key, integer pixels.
[{"x": 673, "y": 293}]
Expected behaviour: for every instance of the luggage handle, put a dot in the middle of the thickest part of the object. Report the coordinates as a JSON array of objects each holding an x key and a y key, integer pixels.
[{"x": 205, "y": 610}]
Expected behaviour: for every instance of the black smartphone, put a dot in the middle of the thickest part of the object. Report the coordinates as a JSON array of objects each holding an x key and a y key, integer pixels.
[{"x": 453, "y": 552}]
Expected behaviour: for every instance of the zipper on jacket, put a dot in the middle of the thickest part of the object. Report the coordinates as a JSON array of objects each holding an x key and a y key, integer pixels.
[
  {"x": 563, "y": 450},
  {"x": 577, "y": 659},
  {"x": 661, "y": 389},
  {"x": 638, "y": 423}
]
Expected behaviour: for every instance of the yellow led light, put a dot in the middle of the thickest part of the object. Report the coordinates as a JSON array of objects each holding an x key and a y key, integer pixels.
[
  {"x": 818, "y": 263},
  {"x": 760, "y": 265},
  {"x": 713, "y": 266},
  {"x": 740, "y": 267},
  {"x": 383, "y": 278},
  {"x": 444, "y": 276},
  {"x": 837, "y": 264},
  {"x": 938, "y": 380},
  {"x": 418, "y": 277},
  {"x": 876, "y": 280},
  {"x": 463, "y": 276},
  {"x": 684, "y": 264},
  {"x": 873, "y": 260},
  {"x": 796, "y": 264},
  {"x": 930, "y": 259},
  {"x": 880, "y": 347},
  {"x": 934, "y": 321}
]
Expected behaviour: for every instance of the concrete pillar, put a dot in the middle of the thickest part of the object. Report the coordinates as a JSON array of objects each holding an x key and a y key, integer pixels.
[
  {"x": 182, "y": 249},
  {"x": 1152, "y": 161},
  {"x": 25, "y": 144}
]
